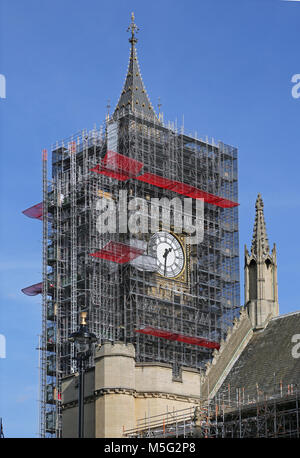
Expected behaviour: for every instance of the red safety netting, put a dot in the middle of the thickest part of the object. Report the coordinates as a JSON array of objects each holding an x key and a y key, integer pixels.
[
  {"x": 35, "y": 212},
  {"x": 33, "y": 290},
  {"x": 123, "y": 168},
  {"x": 118, "y": 166},
  {"x": 178, "y": 337},
  {"x": 118, "y": 252},
  {"x": 186, "y": 190}
]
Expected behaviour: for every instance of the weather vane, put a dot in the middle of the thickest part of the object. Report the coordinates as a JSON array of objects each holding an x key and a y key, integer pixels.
[{"x": 133, "y": 29}]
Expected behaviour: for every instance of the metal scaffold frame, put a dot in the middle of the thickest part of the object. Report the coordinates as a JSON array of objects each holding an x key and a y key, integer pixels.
[
  {"x": 73, "y": 221},
  {"x": 272, "y": 416},
  {"x": 112, "y": 273},
  {"x": 43, "y": 337},
  {"x": 149, "y": 159}
]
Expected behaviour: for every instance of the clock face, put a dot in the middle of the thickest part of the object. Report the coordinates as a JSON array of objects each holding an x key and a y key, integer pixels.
[{"x": 169, "y": 254}]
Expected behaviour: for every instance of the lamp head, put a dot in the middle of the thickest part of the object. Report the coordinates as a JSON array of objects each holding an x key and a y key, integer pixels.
[{"x": 83, "y": 339}]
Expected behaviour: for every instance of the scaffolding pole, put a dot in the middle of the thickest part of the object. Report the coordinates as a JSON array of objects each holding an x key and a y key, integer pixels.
[{"x": 43, "y": 343}]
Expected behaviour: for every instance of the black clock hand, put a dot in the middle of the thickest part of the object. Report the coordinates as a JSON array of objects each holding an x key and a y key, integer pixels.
[
  {"x": 165, "y": 264},
  {"x": 165, "y": 255}
]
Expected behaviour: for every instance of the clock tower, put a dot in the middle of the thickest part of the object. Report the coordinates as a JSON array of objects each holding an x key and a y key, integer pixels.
[
  {"x": 140, "y": 232},
  {"x": 176, "y": 298}
]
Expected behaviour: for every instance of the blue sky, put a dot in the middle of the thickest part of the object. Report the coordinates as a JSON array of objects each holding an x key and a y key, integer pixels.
[{"x": 225, "y": 65}]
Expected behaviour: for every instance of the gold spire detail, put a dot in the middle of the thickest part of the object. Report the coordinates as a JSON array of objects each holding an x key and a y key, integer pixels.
[{"x": 133, "y": 29}]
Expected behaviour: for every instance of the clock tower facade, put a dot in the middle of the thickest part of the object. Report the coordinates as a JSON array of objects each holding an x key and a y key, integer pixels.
[
  {"x": 177, "y": 294},
  {"x": 140, "y": 232}
]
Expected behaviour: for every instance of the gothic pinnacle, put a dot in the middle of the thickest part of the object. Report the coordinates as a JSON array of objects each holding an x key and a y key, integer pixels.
[
  {"x": 134, "y": 96},
  {"x": 260, "y": 243}
]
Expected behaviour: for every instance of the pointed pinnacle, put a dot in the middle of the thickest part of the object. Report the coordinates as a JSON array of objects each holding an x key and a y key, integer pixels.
[
  {"x": 260, "y": 243},
  {"x": 259, "y": 202},
  {"x": 134, "y": 96}
]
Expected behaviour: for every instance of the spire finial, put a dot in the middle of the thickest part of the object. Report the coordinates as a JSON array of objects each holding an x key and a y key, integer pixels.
[
  {"x": 259, "y": 205},
  {"x": 108, "y": 106},
  {"x": 260, "y": 243},
  {"x": 133, "y": 29},
  {"x": 134, "y": 96}
]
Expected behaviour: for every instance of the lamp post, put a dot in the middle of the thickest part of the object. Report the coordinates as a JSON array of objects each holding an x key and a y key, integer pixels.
[{"x": 83, "y": 340}]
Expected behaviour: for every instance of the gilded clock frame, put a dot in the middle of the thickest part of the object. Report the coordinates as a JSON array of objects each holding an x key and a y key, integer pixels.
[{"x": 183, "y": 276}]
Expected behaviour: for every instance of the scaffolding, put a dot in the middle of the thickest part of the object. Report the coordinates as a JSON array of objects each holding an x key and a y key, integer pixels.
[
  {"x": 276, "y": 415},
  {"x": 176, "y": 316},
  {"x": 112, "y": 275},
  {"x": 172, "y": 423}
]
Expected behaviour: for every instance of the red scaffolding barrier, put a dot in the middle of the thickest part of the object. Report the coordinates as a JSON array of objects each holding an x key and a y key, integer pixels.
[
  {"x": 186, "y": 190},
  {"x": 178, "y": 337},
  {"x": 33, "y": 290},
  {"x": 118, "y": 166},
  {"x": 123, "y": 168},
  {"x": 118, "y": 252},
  {"x": 34, "y": 212}
]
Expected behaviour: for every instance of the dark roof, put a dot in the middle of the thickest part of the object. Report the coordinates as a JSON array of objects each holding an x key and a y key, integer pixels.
[{"x": 267, "y": 361}]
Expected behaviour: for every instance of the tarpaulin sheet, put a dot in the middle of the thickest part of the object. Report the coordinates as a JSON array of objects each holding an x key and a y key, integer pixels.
[
  {"x": 35, "y": 212},
  {"x": 178, "y": 337},
  {"x": 118, "y": 166},
  {"x": 186, "y": 190},
  {"x": 33, "y": 290},
  {"x": 123, "y": 168},
  {"x": 118, "y": 252}
]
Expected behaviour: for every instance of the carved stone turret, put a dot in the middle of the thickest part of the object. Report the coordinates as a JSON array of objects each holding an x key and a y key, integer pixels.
[{"x": 261, "y": 290}]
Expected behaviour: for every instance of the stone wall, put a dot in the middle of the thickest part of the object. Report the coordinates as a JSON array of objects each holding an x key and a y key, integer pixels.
[{"x": 119, "y": 392}]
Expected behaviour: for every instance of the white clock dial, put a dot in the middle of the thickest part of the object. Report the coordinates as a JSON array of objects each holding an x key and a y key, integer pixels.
[{"x": 169, "y": 254}]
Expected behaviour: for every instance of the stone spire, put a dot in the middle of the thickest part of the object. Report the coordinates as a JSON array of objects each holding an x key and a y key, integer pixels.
[
  {"x": 261, "y": 290},
  {"x": 260, "y": 243},
  {"x": 134, "y": 96}
]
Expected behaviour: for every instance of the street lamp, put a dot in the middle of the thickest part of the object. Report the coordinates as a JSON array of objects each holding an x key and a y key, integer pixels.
[{"x": 83, "y": 341}]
